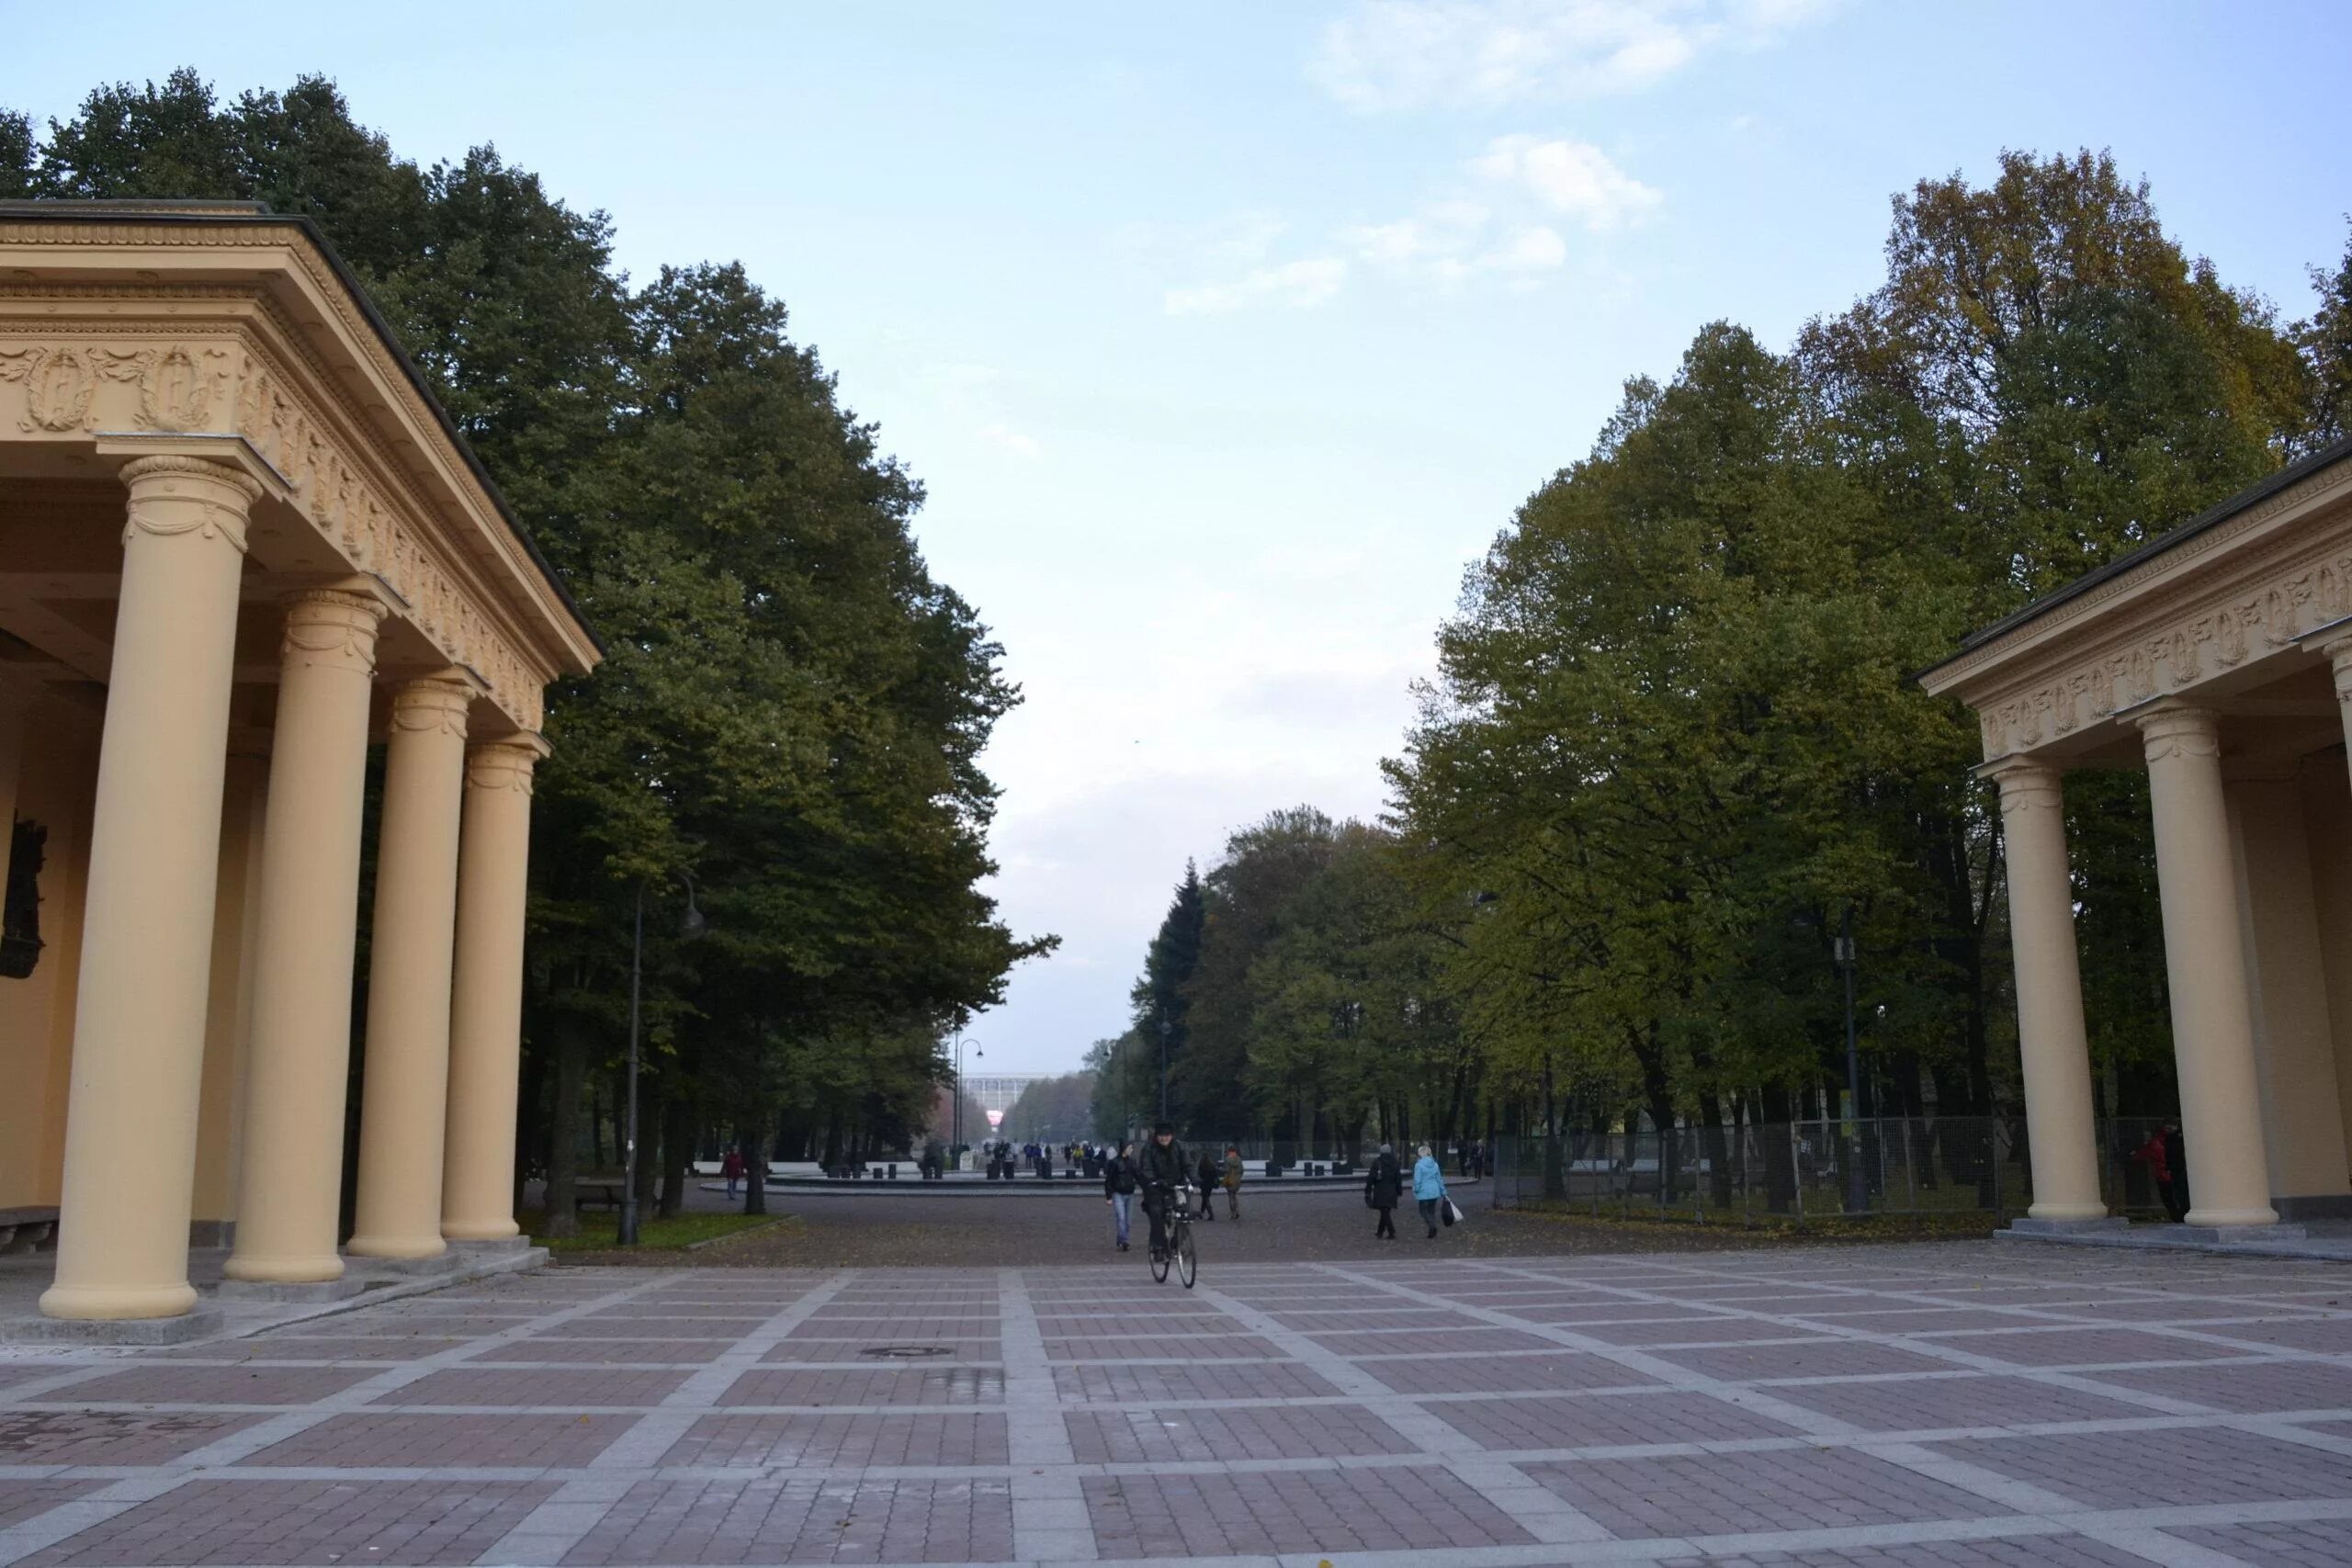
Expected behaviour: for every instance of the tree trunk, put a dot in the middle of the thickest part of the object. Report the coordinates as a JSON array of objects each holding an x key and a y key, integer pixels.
[
  {"x": 1780, "y": 1165},
  {"x": 756, "y": 1166},
  {"x": 563, "y": 1130},
  {"x": 651, "y": 1102},
  {"x": 678, "y": 1151},
  {"x": 1710, "y": 1117}
]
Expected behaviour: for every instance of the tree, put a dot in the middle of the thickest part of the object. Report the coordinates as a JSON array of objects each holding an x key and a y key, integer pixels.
[{"x": 1159, "y": 997}]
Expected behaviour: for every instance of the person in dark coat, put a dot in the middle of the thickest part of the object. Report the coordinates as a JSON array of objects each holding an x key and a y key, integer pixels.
[
  {"x": 1119, "y": 1190},
  {"x": 2177, "y": 1167},
  {"x": 1384, "y": 1185},
  {"x": 1208, "y": 1176}
]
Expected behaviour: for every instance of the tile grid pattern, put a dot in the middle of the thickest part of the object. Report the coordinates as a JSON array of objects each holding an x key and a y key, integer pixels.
[{"x": 1899, "y": 1407}]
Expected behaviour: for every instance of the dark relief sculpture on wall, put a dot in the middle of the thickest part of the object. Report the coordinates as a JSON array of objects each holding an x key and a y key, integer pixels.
[{"x": 20, "y": 928}]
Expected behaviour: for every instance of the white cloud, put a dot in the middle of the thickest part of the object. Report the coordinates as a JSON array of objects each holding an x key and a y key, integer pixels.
[
  {"x": 1399, "y": 54},
  {"x": 1305, "y": 283},
  {"x": 1011, "y": 440},
  {"x": 1575, "y": 179}
]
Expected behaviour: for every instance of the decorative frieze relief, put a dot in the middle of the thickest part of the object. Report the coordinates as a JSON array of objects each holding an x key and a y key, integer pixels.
[
  {"x": 2249, "y": 625},
  {"x": 79, "y": 383}
]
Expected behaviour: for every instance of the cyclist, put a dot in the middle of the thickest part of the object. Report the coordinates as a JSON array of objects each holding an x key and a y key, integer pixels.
[{"x": 1161, "y": 1171}]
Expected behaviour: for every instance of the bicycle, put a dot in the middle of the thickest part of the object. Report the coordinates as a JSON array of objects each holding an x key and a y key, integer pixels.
[{"x": 1177, "y": 1226}]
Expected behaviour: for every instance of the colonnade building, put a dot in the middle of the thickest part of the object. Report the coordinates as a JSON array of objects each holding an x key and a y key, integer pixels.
[
  {"x": 2218, "y": 658},
  {"x": 240, "y": 545}
]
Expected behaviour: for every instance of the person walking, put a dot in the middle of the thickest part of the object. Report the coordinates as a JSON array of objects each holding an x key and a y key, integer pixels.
[
  {"x": 1383, "y": 1184},
  {"x": 1429, "y": 1188},
  {"x": 1208, "y": 1174},
  {"x": 1232, "y": 1177},
  {"x": 731, "y": 1167},
  {"x": 1119, "y": 1191}
]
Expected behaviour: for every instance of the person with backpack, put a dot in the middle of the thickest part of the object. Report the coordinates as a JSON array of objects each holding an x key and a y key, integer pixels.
[
  {"x": 1232, "y": 1180},
  {"x": 1429, "y": 1188},
  {"x": 1383, "y": 1184}
]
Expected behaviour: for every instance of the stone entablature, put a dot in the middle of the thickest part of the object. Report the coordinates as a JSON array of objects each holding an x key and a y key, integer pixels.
[
  {"x": 2255, "y": 584},
  {"x": 239, "y": 353}
]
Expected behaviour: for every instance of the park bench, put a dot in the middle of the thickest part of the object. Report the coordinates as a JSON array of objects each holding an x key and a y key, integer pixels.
[{"x": 596, "y": 1195}]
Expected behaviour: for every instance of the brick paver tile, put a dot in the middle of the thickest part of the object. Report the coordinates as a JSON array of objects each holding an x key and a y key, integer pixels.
[
  {"x": 1438, "y": 1342},
  {"x": 1603, "y": 1420},
  {"x": 552, "y": 1387},
  {"x": 110, "y": 1436},
  {"x": 785, "y": 1520},
  {"x": 1555, "y": 1371},
  {"x": 890, "y": 1330},
  {"x": 2314, "y": 1543},
  {"x": 1158, "y": 1383},
  {"x": 2018, "y": 1551},
  {"x": 2161, "y": 1467},
  {"x": 648, "y": 1306},
  {"x": 2244, "y": 1388},
  {"x": 728, "y": 1329},
  {"x": 2084, "y": 1346},
  {"x": 22, "y": 1500},
  {"x": 912, "y": 1385},
  {"x": 1693, "y": 1331},
  {"x": 1909, "y": 1404},
  {"x": 1383, "y": 1508},
  {"x": 2328, "y": 1336},
  {"x": 407, "y": 1522},
  {"x": 841, "y": 1442},
  {"x": 1179, "y": 1435},
  {"x": 320, "y": 1348},
  {"x": 24, "y": 1372},
  {"x": 555, "y": 1351},
  {"x": 1776, "y": 1489},
  {"x": 869, "y": 1352},
  {"x": 170, "y": 1383},
  {"x": 1174, "y": 1343},
  {"x": 1375, "y": 1322},
  {"x": 361, "y": 1440},
  {"x": 1911, "y": 1320},
  {"x": 1803, "y": 1358}
]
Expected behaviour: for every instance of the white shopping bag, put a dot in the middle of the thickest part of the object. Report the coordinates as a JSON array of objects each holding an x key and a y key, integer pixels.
[{"x": 1454, "y": 1211}]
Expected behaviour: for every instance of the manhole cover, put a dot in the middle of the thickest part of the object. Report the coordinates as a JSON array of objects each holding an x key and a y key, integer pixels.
[{"x": 906, "y": 1352}]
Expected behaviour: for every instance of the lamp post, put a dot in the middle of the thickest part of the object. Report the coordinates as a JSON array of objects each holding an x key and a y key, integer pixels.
[
  {"x": 690, "y": 925},
  {"x": 956, "y": 1116}
]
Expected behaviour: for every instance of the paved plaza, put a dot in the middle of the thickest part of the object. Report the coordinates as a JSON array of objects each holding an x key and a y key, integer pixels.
[{"x": 1865, "y": 1407}]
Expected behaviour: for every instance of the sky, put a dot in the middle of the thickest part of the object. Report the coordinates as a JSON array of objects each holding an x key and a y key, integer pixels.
[{"x": 1225, "y": 335}]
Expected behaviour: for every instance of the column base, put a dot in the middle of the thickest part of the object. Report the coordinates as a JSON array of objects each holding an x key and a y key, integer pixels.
[
  {"x": 489, "y": 1246},
  {"x": 288, "y": 1289},
  {"x": 2040, "y": 1225},
  {"x": 283, "y": 1271},
  {"x": 100, "y": 1303},
  {"x": 201, "y": 1322},
  {"x": 2232, "y": 1218},
  {"x": 415, "y": 1268},
  {"x": 2271, "y": 1232},
  {"x": 392, "y": 1248}
]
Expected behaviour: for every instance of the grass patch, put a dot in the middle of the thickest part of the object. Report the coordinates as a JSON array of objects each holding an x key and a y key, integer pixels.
[{"x": 600, "y": 1230}]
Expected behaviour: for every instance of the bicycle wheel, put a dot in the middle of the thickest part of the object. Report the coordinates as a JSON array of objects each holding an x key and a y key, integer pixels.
[
  {"x": 1187, "y": 1266},
  {"x": 1160, "y": 1266}
]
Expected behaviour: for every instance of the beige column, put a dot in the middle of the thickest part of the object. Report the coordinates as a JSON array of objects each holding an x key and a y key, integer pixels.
[
  {"x": 147, "y": 921},
  {"x": 2212, "y": 1020},
  {"x": 404, "y": 1091},
  {"x": 2052, "y": 1047},
  {"x": 291, "y": 1169},
  {"x": 486, "y": 997}
]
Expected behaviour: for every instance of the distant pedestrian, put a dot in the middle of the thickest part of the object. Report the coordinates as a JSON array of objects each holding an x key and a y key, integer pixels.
[
  {"x": 1429, "y": 1188},
  {"x": 1209, "y": 1175},
  {"x": 1119, "y": 1191},
  {"x": 731, "y": 1166},
  {"x": 1383, "y": 1184},
  {"x": 1232, "y": 1175}
]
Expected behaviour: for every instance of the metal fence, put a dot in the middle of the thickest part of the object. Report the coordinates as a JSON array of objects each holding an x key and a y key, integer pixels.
[{"x": 1783, "y": 1173}]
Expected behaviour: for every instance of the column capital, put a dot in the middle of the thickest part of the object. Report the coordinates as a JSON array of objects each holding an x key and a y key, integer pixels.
[
  {"x": 2338, "y": 651},
  {"x": 440, "y": 701},
  {"x": 2173, "y": 728},
  {"x": 505, "y": 762},
  {"x": 327, "y": 626},
  {"x": 2026, "y": 783},
  {"x": 171, "y": 496}
]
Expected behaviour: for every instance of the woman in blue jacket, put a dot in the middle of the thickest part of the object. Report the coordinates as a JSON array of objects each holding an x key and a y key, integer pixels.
[{"x": 1428, "y": 1186}]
